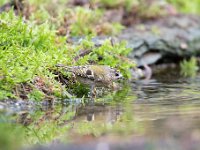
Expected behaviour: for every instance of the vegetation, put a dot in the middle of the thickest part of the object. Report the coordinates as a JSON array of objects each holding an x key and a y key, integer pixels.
[
  {"x": 30, "y": 52},
  {"x": 187, "y": 6},
  {"x": 189, "y": 67},
  {"x": 33, "y": 41},
  {"x": 28, "y": 58},
  {"x": 27, "y": 51},
  {"x": 86, "y": 21}
]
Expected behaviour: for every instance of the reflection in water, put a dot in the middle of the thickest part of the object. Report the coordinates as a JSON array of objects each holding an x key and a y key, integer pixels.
[{"x": 165, "y": 108}]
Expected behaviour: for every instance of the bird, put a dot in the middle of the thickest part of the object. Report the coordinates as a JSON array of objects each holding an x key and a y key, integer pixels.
[{"x": 95, "y": 76}]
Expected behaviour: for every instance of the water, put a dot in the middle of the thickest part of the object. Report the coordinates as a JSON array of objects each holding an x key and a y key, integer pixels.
[{"x": 163, "y": 112}]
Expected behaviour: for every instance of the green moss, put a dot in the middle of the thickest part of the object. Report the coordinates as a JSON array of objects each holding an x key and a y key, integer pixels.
[
  {"x": 189, "y": 67},
  {"x": 187, "y": 6},
  {"x": 115, "y": 56},
  {"x": 86, "y": 21},
  {"x": 36, "y": 95},
  {"x": 118, "y": 3},
  {"x": 6, "y": 94},
  {"x": 77, "y": 21},
  {"x": 3, "y": 2},
  {"x": 30, "y": 51},
  {"x": 27, "y": 50}
]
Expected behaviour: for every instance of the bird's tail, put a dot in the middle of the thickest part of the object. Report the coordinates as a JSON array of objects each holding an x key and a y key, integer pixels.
[{"x": 67, "y": 68}]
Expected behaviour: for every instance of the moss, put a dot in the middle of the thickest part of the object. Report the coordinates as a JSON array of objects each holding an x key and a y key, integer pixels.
[
  {"x": 30, "y": 52},
  {"x": 187, "y": 6},
  {"x": 189, "y": 68},
  {"x": 36, "y": 95},
  {"x": 128, "y": 4},
  {"x": 26, "y": 50},
  {"x": 86, "y": 21}
]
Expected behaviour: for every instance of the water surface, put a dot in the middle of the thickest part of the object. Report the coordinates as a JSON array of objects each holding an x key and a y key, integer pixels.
[{"x": 164, "y": 111}]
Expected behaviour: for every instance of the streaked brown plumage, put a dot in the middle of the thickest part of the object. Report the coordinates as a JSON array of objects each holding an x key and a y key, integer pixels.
[{"x": 95, "y": 75}]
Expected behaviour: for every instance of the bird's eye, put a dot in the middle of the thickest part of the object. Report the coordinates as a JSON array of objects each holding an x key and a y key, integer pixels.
[
  {"x": 116, "y": 74},
  {"x": 88, "y": 72}
]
